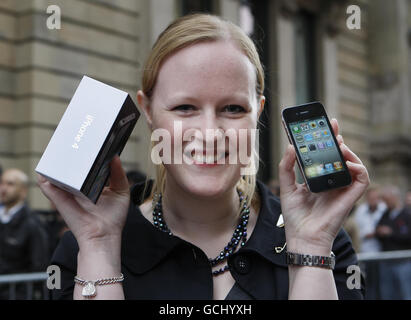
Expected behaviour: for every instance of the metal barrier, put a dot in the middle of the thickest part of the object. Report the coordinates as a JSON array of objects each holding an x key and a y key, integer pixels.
[
  {"x": 27, "y": 280},
  {"x": 385, "y": 255},
  {"x": 387, "y": 274}
]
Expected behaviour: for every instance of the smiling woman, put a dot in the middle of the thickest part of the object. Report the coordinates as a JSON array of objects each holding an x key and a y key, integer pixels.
[
  {"x": 209, "y": 49},
  {"x": 206, "y": 230}
]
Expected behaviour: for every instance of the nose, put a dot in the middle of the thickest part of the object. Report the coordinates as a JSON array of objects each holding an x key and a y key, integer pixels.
[
  {"x": 211, "y": 128},
  {"x": 209, "y": 120}
]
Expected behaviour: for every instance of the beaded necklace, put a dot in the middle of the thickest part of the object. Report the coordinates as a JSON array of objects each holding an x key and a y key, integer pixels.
[{"x": 239, "y": 235}]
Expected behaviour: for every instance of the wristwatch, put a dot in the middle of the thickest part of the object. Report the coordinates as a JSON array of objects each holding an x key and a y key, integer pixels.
[{"x": 311, "y": 261}]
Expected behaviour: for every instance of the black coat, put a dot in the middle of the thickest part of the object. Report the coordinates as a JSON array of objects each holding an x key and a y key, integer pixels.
[
  {"x": 400, "y": 239},
  {"x": 23, "y": 244},
  {"x": 159, "y": 266}
]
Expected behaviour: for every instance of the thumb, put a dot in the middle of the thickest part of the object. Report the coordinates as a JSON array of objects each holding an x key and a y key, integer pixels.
[{"x": 118, "y": 178}]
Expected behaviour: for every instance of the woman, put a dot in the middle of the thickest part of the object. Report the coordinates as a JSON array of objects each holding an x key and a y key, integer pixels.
[{"x": 205, "y": 73}]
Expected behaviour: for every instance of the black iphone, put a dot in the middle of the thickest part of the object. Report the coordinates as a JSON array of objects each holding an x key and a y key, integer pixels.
[{"x": 318, "y": 154}]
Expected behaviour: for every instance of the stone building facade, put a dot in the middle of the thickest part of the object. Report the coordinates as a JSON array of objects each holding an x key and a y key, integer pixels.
[{"x": 361, "y": 75}]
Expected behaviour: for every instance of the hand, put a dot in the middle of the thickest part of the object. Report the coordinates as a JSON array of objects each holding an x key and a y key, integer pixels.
[
  {"x": 93, "y": 223},
  {"x": 312, "y": 220},
  {"x": 383, "y": 231}
]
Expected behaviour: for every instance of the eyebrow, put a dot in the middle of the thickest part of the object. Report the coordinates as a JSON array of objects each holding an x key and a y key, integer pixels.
[{"x": 190, "y": 99}]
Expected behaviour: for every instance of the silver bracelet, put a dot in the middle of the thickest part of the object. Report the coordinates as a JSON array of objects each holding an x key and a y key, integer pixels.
[
  {"x": 311, "y": 261},
  {"x": 89, "y": 289}
]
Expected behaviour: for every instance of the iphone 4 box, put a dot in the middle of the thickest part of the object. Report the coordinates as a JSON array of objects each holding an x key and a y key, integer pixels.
[{"x": 94, "y": 128}]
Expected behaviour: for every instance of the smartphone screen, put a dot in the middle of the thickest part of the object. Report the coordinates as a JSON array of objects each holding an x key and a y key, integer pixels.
[
  {"x": 318, "y": 153},
  {"x": 316, "y": 147}
]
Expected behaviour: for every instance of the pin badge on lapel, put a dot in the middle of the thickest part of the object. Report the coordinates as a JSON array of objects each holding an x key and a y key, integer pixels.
[
  {"x": 280, "y": 249},
  {"x": 280, "y": 224}
]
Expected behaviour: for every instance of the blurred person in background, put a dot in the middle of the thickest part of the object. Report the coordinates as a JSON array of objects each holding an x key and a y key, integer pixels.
[
  {"x": 54, "y": 226},
  {"x": 394, "y": 232},
  {"x": 408, "y": 199},
  {"x": 23, "y": 242},
  {"x": 394, "y": 228},
  {"x": 367, "y": 217}
]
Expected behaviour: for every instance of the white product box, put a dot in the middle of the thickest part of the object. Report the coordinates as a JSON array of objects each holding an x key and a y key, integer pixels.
[{"x": 94, "y": 128}]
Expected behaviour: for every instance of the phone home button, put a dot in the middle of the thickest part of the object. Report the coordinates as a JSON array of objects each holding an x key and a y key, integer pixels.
[{"x": 330, "y": 182}]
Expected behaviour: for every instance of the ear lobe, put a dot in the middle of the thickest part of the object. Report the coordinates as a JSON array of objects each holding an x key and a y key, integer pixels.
[{"x": 144, "y": 104}]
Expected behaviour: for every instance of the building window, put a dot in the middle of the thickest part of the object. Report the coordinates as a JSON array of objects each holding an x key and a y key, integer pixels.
[{"x": 305, "y": 58}]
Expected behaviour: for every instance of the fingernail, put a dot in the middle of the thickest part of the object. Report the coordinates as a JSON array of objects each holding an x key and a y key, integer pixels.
[{"x": 41, "y": 178}]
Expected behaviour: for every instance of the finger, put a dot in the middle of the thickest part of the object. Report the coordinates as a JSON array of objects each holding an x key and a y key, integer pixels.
[
  {"x": 359, "y": 172},
  {"x": 62, "y": 200},
  {"x": 336, "y": 130},
  {"x": 340, "y": 140},
  {"x": 349, "y": 155},
  {"x": 50, "y": 191},
  {"x": 360, "y": 182},
  {"x": 286, "y": 171},
  {"x": 41, "y": 181},
  {"x": 334, "y": 125},
  {"x": 118, "y": 177}
]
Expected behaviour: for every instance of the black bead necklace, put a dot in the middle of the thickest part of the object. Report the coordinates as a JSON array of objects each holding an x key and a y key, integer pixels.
[{"x": 239, "y": 235}]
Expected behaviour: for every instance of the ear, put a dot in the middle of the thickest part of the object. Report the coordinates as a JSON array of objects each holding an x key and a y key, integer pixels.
[
  {"x": 23, "y": 193},
  {"x": 144, "y": 104},
  {"x": 261, "y": 105}
]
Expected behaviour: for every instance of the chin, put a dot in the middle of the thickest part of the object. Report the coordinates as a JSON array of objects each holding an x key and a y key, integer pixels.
[{"x": 207, "y": 184}]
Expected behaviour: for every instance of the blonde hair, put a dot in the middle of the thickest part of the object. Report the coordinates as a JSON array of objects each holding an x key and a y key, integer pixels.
[{"x": 186, "y": 31}]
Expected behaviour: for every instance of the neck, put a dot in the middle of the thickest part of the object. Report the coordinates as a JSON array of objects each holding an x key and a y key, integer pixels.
[
  {"x": 8, "y": 206},
  {"x": 193, "y": 216}
]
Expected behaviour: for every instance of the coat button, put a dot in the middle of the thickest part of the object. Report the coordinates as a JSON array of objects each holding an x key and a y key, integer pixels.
[{"x": 242, "y": 264}]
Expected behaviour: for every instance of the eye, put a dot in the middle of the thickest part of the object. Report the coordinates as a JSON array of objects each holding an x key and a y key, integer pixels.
[
  {"x": 233, "y": 108},
  {"x": 184, "y": 107}
]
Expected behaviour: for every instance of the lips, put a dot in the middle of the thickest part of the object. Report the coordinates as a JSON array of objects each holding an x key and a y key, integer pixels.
[{"x": 202, "y": 157}]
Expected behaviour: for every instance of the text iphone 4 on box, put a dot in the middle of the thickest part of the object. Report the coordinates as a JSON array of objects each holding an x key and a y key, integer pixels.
[{"x": 318, "y": 154}]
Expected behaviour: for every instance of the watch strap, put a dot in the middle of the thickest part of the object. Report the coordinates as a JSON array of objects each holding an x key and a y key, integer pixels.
[{"x": 311, "y": 261}]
